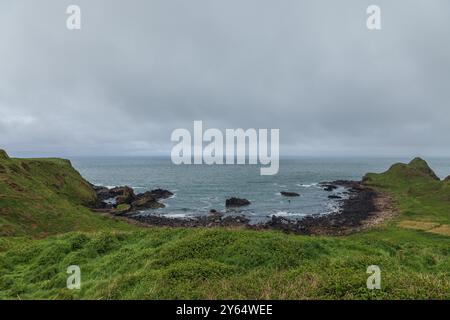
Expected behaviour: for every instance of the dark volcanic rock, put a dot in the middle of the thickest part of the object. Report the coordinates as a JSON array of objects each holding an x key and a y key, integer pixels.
[
  {"x": 236, "y": 202},
  {"x": 333, "y": 196},
  {"x": 329, "y": 187},
  {"x": 122, "y": 191},
  {"x": 161, "y": 194},
  {"x": 103, "y": 205},
  {"x": 121, "y": 210},
  {"x": 103, "y": 193},
  {"x": 125, "y": 195},
  {"x": 289, "y": 194},
  {"x": 214, "y": 214},
  {"x": 146, "y": 200},
  {"x": 203, "y": 221}
]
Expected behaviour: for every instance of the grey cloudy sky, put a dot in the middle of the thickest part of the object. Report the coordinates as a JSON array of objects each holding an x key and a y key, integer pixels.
[{"x": 139, "y": 69}]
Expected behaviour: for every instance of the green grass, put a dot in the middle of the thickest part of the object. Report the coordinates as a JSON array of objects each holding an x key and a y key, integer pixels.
[
  {"x": 418, "y": 195},
  {"x": 41, "y": 197},
  {"x": 163, "y": 263},
  {"x": 179, "y": 263}
]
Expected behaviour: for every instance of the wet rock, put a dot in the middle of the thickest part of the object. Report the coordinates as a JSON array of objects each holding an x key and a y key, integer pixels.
[
  {"x": 121, "y": 209},
  {"x": 112, "y": 198},
  {"x": 333, "y": 196},
  {"x": 289, "y": 194},
  {"x": 236, "y": 202},
  {"x": 122, "y": 194},
  {"x": 203, "y": 221},
  {"x": 215, "y": 215},
  {"x": 103, "y": 193},
  {"x": 146, "y": 200},
  {"x": 329, "y": 187},
  {"x": 161, "y": 194},
  {"x": 103, "y": 205},
  {"x": 122, "y": 191}
]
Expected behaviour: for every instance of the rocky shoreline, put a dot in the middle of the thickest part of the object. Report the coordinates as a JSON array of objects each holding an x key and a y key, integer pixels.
[
  {"x": 356, "y": 211},
  {"x": 123, "y": 201}
]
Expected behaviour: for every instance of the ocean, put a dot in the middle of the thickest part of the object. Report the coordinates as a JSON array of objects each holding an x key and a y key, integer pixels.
[{"x": 199, "y": 188}]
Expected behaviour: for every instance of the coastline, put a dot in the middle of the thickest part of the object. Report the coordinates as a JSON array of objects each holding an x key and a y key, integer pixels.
[{"x": 362, "y": 209}]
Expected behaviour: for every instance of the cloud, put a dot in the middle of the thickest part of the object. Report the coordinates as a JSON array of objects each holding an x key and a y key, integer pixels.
[{"x": 140, "y": 69}]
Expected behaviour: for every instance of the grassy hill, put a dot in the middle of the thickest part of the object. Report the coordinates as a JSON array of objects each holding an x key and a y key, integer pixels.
[
  {"x": 41, "y": 197},
  {"x": 423, "y": 199},
  {"x": 412, "y": 250}
]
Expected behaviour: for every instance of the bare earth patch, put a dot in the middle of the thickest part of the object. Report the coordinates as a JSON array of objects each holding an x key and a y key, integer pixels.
[
  {"x": 427, "y": 226},
  {"x": 442, "y": 230},
  {"x": 417, "y": 225}
]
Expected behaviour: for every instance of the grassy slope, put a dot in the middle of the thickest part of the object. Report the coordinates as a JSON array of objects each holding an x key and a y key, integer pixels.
[
  {"x": 219, "y": 263},
  {"x": 40, "y": 197}
]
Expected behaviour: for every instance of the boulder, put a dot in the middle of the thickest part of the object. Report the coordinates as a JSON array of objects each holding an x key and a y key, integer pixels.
[
  {"x": 161, "y": 194},
  {"x": 329, "y": 187},
  {"x": 215, "y": 215},
  {"x": 121, "y": 209},
  {"x": 121, "y": 191},
  {"x": 333, "y": 196},
  {"x": 146, "y": 201},
  {"x": 236, "y": 202},
  {"x": 123, "y": 194},
  {"x": 103, "y": 193},
  {"x": 289, "y": 194}
]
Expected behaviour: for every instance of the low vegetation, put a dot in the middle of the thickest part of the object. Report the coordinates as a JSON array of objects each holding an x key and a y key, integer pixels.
[
  {"x": 42, "y": 197},
  {"x": 46, "y": 227}
]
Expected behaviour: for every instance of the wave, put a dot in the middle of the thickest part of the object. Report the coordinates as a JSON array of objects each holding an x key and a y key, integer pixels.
[
  {"x": 287, "y": 214},
  {"x": 315, "y": 184}
]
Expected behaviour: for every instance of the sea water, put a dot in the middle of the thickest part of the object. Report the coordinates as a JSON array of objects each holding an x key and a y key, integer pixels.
[{"x": 199, "y": 188}]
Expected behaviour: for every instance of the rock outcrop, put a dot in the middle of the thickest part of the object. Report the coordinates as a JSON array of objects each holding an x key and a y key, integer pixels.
[
  {"x": 329, "y": 187},
  {"x": 289, "y": 194},
  {"x": 123, "y": 195},
  {"x": 146, "y": 200},
  {"x": 161, "y": 194},
  {"x": 126, "y": 201},
  {"x": 236, "y": 202}
]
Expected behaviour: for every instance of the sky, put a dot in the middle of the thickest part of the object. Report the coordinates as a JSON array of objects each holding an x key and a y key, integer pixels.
[{"x": 137, "y": 70}]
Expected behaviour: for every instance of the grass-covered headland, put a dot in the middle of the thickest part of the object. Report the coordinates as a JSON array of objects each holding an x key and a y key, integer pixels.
[{"x": 45, "y": 226}]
